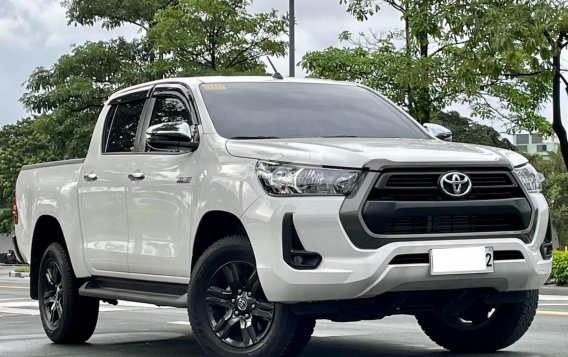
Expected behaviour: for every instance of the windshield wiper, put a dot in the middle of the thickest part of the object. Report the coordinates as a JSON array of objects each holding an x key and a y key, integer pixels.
[{"x": 253, "y": 137}]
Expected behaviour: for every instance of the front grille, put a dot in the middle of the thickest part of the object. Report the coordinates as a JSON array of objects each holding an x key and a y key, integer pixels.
[
  {"x": 410, "y": 202},
  {"x": 429, "y": 224},
  {"x": 423, "y": 186}
]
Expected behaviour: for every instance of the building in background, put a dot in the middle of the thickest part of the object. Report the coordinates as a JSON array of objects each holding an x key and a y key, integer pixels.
[{"x": 535, "y": 143}]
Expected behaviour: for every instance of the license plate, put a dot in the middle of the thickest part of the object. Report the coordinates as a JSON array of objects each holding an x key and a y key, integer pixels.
[{"x": 469, "y": 260}]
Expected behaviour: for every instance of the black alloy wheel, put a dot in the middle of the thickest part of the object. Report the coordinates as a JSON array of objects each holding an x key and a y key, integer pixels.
[
  {"x": 66, "y": 316},
  {"x": 229, "y": 313},
  {"x": 53, "y": 295},
  {"x": 238, "y": 311}
]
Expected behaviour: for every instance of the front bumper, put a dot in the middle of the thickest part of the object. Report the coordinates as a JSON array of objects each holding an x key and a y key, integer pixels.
[{"x": 348, "y": 272}]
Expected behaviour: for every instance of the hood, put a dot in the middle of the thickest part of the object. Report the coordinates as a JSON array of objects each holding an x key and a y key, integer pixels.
[{"x": 356, "y": 152}]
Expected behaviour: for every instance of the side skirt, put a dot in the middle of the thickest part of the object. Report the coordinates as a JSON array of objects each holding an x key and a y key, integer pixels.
[{"x": 160, "y": 294}]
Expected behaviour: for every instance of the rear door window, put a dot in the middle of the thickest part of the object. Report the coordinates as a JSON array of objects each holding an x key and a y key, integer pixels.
[{"x": 122, "y": 125}]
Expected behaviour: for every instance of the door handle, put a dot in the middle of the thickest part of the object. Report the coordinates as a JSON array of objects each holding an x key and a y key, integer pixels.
[
  {"x": 90, "y": 177},
  {"x": 136, "y": 176}
]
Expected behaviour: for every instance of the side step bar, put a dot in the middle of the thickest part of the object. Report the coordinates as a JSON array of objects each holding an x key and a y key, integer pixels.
[{"x": 160, "y": 294}]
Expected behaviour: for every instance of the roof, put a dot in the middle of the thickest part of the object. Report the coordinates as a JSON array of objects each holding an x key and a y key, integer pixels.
[{"x": 225, "y": 79}]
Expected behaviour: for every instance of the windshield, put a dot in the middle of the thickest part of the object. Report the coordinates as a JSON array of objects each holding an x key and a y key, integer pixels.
[{"x": 303, "y": 110}]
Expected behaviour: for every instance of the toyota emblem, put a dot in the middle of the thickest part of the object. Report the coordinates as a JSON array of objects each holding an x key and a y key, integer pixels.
[
  {"x": 455, "y": 184},
  {"x": 242, "y": 304}
]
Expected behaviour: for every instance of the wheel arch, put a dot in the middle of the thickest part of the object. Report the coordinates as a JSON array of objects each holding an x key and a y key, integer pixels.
[
  {"x": 47, "y": 230},
  {"x": 213, "y": 226}
]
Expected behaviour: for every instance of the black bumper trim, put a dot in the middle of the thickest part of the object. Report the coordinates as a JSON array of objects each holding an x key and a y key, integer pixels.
[
  {"x": 294, "y": 253},
  {"x": 546, "y": 247}
]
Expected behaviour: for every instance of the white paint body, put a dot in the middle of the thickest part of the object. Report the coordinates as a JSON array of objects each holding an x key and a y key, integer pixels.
[{"x": 145, "y": 230}]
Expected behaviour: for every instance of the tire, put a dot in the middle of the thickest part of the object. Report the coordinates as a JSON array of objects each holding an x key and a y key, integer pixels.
[
  {"x": 66, "y": 317},
  {"x": 480, "y": 331},
  {"x": 216, "y": 300}
]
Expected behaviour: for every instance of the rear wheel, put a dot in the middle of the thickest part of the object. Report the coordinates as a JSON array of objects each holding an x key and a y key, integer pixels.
[
  {"x": 229, "y": 313},
  {"x": 482, "y": 327},
  {"x": 66, "y": 316}
]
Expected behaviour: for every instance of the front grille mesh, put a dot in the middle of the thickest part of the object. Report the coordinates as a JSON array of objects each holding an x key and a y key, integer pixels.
[
  {"x": 423, "y": 186},
  {"x": 451, "y": 224}
]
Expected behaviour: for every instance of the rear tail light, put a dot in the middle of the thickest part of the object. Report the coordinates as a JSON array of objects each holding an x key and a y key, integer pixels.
[{"x": 14, "y": 208}]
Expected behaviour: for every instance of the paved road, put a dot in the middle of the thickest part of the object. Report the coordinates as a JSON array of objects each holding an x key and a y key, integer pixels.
[{"x": 140, "y": 330}]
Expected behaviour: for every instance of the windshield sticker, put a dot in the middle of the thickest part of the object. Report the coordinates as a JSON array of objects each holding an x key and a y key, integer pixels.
[{"x": 213, "y": 86}]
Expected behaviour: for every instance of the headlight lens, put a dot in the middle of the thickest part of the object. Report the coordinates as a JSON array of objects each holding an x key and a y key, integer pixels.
[
  {"x": 289, "y": 179},
  {"x": 530, "y": 178}
]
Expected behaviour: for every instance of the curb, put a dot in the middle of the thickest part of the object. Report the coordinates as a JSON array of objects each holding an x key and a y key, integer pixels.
[
  {"x": 554, "y": 290},
  {"x": 14, "y": 274}
]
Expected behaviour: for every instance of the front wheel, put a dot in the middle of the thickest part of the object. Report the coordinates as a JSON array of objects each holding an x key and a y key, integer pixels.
[
  {"x": 481, "y": 328},
  {"x": 229, "y": 314},
  {"x": 66, "y": 316}
]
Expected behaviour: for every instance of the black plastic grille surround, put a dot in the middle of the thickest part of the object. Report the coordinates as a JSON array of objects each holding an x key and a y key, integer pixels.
[{"x": 409, "y": 202}]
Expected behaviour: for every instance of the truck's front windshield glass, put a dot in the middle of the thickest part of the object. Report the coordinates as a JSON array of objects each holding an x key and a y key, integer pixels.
[{"x": 303, "y": 110}]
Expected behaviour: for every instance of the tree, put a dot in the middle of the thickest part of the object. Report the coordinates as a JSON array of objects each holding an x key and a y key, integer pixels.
[
  {"x": 67, "y": 98},
  {"x": 184, "y": 37},
  {"x": 115, "y": 13},
  {"x": 218, "y": 36},
  {"x": 416, "y": 69},
  {"x": 465, "y": 130},
  {"x": 555, "y": 189},
  {"x": 526, "y": 48},
  {"x": 410, "y": 80},
  {"x": 20, "y": 144},
  {"x": 502, "y": 52},
  {"x": 199, "y": 37}
]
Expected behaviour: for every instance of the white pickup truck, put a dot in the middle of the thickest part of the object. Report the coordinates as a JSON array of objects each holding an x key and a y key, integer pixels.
[{"x": 262, "y": 205}]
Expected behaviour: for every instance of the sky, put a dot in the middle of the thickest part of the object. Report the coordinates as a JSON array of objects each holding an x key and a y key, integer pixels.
[{"x": 35, "y": 33}]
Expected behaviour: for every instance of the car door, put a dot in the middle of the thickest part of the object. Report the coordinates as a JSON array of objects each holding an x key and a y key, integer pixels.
[
  {"x": 160, "y": 192},
  {"x": 102, "y": 187}
]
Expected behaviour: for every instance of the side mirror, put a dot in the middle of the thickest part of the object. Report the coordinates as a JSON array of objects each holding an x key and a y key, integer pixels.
[
  {"x": 439, "y": 131},
  {"x": 175, "y": 136}
]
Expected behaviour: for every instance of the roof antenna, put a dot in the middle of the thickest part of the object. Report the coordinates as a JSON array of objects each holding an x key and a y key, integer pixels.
[{"x": 276, "y": 75}]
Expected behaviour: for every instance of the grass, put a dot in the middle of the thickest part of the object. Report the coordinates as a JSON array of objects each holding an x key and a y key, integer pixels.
[
  {"x": 25, "y": 269},
  {"x": 560, "y": 267}
]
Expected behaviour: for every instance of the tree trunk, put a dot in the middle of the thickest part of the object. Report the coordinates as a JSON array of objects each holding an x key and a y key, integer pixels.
[
  {"x": 424, "y": 100},
  {"x": 557, "y": 125}
]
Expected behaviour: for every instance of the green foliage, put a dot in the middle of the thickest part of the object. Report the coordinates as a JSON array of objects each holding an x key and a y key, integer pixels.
[
  {"x": 382, "y": 65},
  {"x": 559, "y": 268},
  {"x": 467, "y": 131},
  {"x": 68, "y": 97},
  {"x": 20, "y": 144},
  {"x": 500, "y": 57},
  {"x": 218, "y": 36},
  {"x": 114, "y": 13},
  {"x": 555, "y": 189},
  {"x": 362, "y": 9}
]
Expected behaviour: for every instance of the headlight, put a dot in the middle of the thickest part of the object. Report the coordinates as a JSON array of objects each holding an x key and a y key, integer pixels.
[
  {"x": 529, "y": 177},
  {"x": 289, "y": 179}
]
